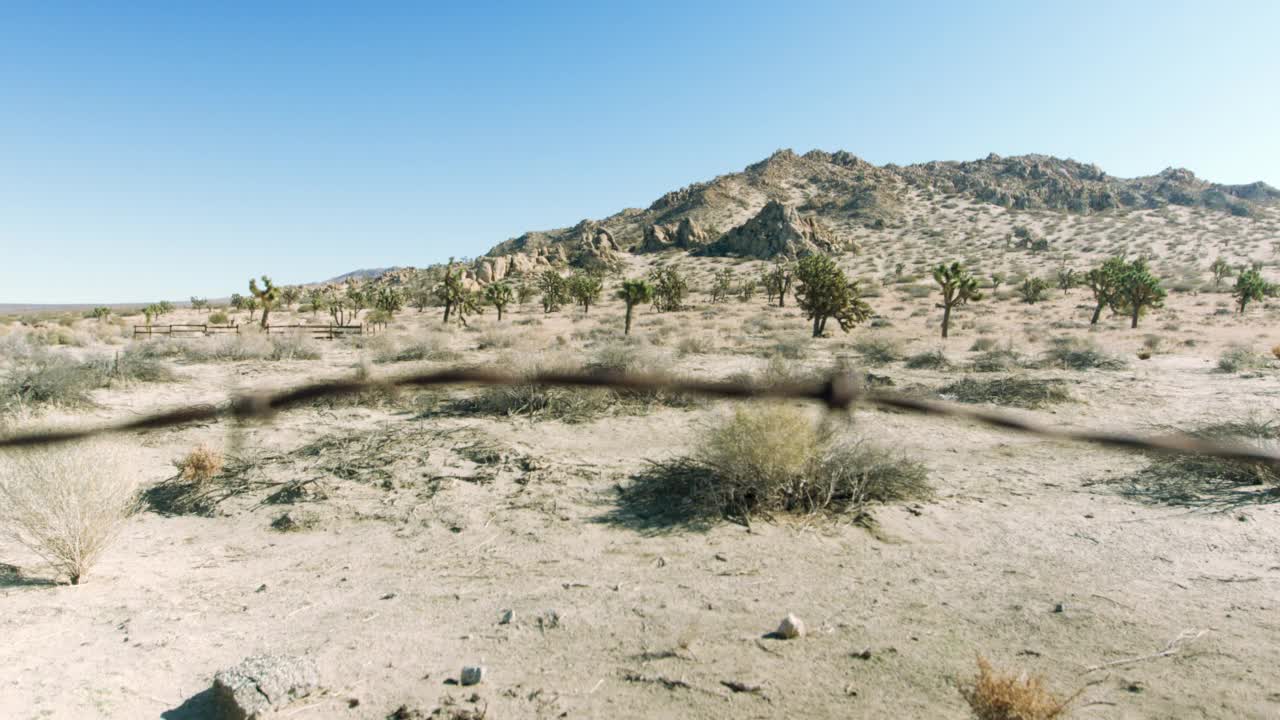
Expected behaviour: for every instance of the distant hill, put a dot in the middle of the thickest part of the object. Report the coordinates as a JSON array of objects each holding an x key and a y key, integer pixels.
[
  {"x": 843, "y": 194},
  {"x": 366, "y": 274}
]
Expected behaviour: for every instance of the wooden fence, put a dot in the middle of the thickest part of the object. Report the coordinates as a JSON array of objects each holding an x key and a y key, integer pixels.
[{"x": 327, "y": 332}]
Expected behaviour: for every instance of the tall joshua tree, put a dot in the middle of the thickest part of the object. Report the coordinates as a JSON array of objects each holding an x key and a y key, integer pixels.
[
  {"x": 267, "y": 296},
  {"x": 958, "y": 288},
  {"x": 1250, "y": 287},
  {"x": 632, "y": 293}
]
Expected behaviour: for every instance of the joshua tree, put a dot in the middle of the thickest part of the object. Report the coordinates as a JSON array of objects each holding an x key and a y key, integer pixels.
[
  {"x": 100, "y": 313},
  {"x": 251, "y": 304},
  {"x": 746, "y": 290},
  {"x": 1250, "y": 287},
  {"x": 1032, "y": 290},
  {"x": 669, "y": 289},
  {"x": 318, "y": 299},
  {"x": 1067, "y": 279},
  {"x": 997, "y": 279},
  {"x": 357, "y": 297},
  {"x": 585, "y": 287},
  {"x": 634, "y": 292},
  {"x": 958, "y": 288},
  {"x": 823, "y": 292},
  {"x": 341, "y": 311},
  {"x": 777, "y": 282},
  {"x": 723, "y": 286},
  {"x": 290, "y": 294},
  {"x": 452, "y": 293},
  {"x": 1220, "y": 269},
  {"x": 555, "y": 290},
  {"x": 525, "y": 292},
  {"x": 499, "y": 295},
  {"x": 1138, "y": 290},
  {"x": 388, "y": 300},
  {"x": 267, "y": 296},
  {"x": 237, "y": 301},
  {"x": 1104, "y": 283},
  {"x": 199, "y": 303}
]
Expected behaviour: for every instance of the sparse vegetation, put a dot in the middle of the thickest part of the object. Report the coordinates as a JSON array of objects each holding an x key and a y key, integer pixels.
[
  {"x": 66, "y": 504},
  {"x": 1015, "y": 391},
  {"x": 958, "y": 288},
  {"x": 995, "y": 695}
]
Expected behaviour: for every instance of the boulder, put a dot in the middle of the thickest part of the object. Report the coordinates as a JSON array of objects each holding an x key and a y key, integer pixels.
[
  {"x": 685, "y": 235},
  {"x": 261, "y": 683},
  {"x": 777, "y": 229}
]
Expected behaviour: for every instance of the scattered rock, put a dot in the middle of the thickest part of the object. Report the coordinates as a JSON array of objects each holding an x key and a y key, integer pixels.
[
  {"x": 260, "y": 683},
  {"x": 792, "y": 627},
  {"x": 505, "y": 617},
  {"x": 472, "y": 674},
  {"x": 295, "y": 520},
  {"x": 1059, "y": 608}
]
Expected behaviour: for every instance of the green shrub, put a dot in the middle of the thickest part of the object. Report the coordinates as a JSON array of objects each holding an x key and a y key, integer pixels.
[
  {"x": 930, "y": 360},
  {"x": 1239, "y": 358},
  {"x": 1077, "y": 354},
  {"x": 878, "y": 349}
]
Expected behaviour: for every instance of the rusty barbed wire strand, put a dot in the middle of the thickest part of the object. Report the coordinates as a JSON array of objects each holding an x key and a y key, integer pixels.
[{"x": 839, "y": 392}]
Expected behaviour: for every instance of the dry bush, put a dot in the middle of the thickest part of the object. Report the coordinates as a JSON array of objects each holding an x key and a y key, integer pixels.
[
  {"x": 200, "y": 465},
  {"x": 993, "y": 695},
  {"x": 1239, "y": 358},
  {"x": 1016, "y": 391},
  {"x": 414, "y": 348},
  {"x": 66, "y": 504},
  {"x": 878, "y": 349},
  {"x": 998, "y": 360},
  {"x": 1201, "y": 479},
  {"x": 1079, "y": 354},
  {"x": 773, "y": 458},
  {"x": 930, "y": 360}
]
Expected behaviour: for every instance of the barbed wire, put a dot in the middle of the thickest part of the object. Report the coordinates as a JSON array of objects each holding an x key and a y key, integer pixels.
[{"x": 840, "y": 392}]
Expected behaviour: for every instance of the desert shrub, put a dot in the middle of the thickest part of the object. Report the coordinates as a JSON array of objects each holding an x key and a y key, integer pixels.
[
  {"x": 1201, "y": 479},
  {"x": 930, "y": 360},
  {"x": 500, "y": 338},
  {"x": 200, "y": 465},
  {"x": 219, "y": 317},
  {"x": 696, "y": 344},
  {"x": 878, "y": 349},
  {"x": 775, "y": 458},
  {"x": 983, "y": 344},
  {"x": 66, "y": 504},
  {"x": 1079, "y": 354},
  {"x": 993, "y": 695},
  {"x": 1016, "y": 391},
  {"x": 998, "y": 360},
  {"x": 293, "y": 347},
  {"x": 1239, "y": 358},
  {"x": 794, "y": 347},
  {"x": 45, "y": 378},
  {"x": 415, "y": 349}
]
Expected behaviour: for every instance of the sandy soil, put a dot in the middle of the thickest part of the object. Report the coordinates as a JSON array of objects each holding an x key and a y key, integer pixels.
[{"x": 1030, "y": 554}]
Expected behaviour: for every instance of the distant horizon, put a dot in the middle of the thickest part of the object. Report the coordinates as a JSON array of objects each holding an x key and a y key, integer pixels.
[{"x": 158, "y": 151}]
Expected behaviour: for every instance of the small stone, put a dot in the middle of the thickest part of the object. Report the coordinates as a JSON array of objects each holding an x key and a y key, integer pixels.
[
  {"x": 791, "y": 627},
  {"x": 1059, "y": 608},
  {"x": 473, "y": 674},
  {"x": 505, "y": 618}
]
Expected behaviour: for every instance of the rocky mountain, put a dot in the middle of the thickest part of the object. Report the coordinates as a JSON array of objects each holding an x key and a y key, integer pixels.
[{"x": 793, "y": 204}]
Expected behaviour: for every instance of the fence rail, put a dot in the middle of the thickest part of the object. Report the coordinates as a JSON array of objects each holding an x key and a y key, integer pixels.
[{"x": 316, "y": 331}]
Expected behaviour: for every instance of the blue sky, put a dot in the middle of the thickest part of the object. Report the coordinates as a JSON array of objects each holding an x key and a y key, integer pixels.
[{"x": 163, "y": 150}]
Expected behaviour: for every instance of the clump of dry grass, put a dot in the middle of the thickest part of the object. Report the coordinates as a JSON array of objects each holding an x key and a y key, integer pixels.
[
  {"x": 66, "y": 504},
  {"x": 200, "y": 465},
  {"x": 1201, "y": 480},
  {"x": 994, "y": 695},
  {"x": 775, "y": 458}
]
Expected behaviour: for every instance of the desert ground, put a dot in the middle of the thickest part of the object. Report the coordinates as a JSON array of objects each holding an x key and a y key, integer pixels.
[{"x": 423, "y": 532}]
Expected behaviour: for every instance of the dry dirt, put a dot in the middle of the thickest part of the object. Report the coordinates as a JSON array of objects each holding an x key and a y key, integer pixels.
[{"x": 435, "y": 523}]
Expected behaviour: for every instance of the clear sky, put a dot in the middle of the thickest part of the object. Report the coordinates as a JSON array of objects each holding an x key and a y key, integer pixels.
[{"x": 158, "y": 150}]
